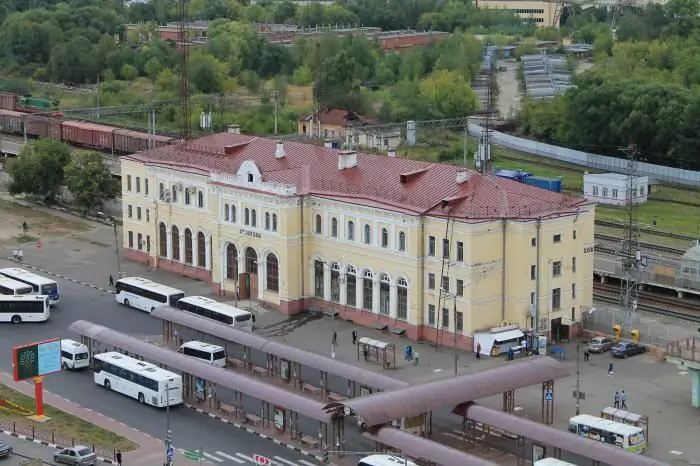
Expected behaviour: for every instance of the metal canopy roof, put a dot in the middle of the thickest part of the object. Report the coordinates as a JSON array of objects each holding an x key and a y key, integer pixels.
[
  {"x": 419, "y": 447},
  {"x": 289, "y": 353},
  {"x": 249, "y": 386},
  {"x": 546, "y": 435},
  {"x": 381, "y": 408}
]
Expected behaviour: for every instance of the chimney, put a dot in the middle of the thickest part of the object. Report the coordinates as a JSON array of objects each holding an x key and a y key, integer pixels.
[
  {"x": 391, "y": 153},
  {"x": 279, "y": 152},
  {"x": 347, "y": 159},
  {"x": 234, "y": 129},
  {"x": 462, "y": 176}
]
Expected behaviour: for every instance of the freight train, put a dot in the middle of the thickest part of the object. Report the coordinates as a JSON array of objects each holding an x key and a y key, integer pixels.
[
  {"x": 550, "y": 184},
  {"x": 16, "y": 117}
]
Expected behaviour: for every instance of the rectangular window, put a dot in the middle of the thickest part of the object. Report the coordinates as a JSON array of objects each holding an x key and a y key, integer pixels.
[
  {"x": 145, "y": 186},
  {"x": 129, "y": 211},
  {"x": 573, "y": 291},
  {"x": 138, "y": 213},
  {"x": 615, "y": 193},
  {"x": 445, "y": 284},
  {"x": 128, "y": 182},
  {"x": 139, "y": 241},
  {"x": 445, "y": 248},
  {"x": 595, "y": 190},
  {"x": 138, "y": 184},
  {"x": 351, "y": 290},
  {"x": 431, "y": 314},
  {"x": 556, "y": 269},
  {"x": 533, "y": 242},
  {"x": 556, "y": 238},
  {"x": 460, "y": 251},
  {"x": 148, "y": 243},
  {"x": 460, "y": 321},
  {"x": 445, "y": 317},
  {"x": 532, "y": 297},
  {"x": 533, "y": 272},
  {"x": 605, "y": 192},
  {"x": 556, "y": 299},
  {"x": 431, "y": 246},
  {"x": 460, "y": 288},
  {"x": 573, "y": 264},
  {"x": 148, "y": 215},
  {"x": 431, "y": 281},
  {"x": 574, "y": 234},
  {"x": 131, "y": 240}
]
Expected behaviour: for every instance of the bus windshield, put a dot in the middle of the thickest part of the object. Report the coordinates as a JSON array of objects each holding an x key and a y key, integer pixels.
[
  {"x": 51, "y": 289},
  {"x": 175, "y": 298}
]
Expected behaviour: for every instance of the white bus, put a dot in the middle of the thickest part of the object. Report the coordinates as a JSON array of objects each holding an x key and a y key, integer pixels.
[
  {"x": 215, "y": 310},
  {"x": 551, "y": 462},
  {"x": 385, "y": 460},
  {"x": 74, "y": 355},
  {"x": 140, "y": 380},
  {"x": 25, "y": 308},
  {"x": 146, "y": 295},
  {"x": 628, "y": 437},
  {"x": 211, "y": 354},
  {"x": 10, "y": 287},
  {"x": 40, "y": 285}
]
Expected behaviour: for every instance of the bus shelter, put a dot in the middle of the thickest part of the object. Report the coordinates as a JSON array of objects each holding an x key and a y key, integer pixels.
[
  {"x": 248, "y": 399},
  {"x": 377, "y": 351}
]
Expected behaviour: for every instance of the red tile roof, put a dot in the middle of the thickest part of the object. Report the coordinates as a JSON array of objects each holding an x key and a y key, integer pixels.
[{"x": 376, "y": 180}]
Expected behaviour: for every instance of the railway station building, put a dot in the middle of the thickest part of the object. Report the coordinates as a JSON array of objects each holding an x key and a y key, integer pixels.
[{"x": 371, "y": 238}]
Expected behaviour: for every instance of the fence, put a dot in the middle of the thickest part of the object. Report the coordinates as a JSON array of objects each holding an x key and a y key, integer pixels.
[{"x": 50, "y": 437}]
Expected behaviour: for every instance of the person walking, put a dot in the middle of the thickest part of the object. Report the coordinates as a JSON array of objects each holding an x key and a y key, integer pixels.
[
  {"x": 119, "y": 458},
  {"x": 111, "y": 281},
  {"x": 20, "y": 255},
  {"x": 25, "y": 228},
  {"x": 586, "y": 354},
  {"x": 478, "y": 351},
  {"x": 623, "y": 400},
  {"x": 616, "y": 404},
  {"x": 334, "y": 340},
  {"x": 416, "y": 357},
  {"x": 611, "y": 372},
  {"x": 365, "y": 352},
  {"x": 354, "y": 337}
]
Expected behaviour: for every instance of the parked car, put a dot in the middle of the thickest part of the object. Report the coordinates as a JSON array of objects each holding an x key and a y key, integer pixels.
[
  {"x": 5, "y": 450},
  {"x": 79, "y": 455},
  {"x": 600, "y": 344},
  {"x": 625, "y": 349}
]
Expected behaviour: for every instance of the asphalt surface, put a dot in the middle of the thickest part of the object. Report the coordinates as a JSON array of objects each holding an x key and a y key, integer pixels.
[{"x": 25, "y": 450}]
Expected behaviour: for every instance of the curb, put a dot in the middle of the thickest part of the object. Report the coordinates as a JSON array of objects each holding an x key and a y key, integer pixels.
[
  {"x": 39, "y": 269},
  {"x": 251, "y": 431},
  {"x": 48, "y": 444}
]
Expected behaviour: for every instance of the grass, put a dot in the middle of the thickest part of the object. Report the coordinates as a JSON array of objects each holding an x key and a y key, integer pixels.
[
  {"x": 681, "y": 219},
  {"x": 62, "y": 423},
  {"x": 25, "y": 239},
  {"x": 38, "y": 221}
]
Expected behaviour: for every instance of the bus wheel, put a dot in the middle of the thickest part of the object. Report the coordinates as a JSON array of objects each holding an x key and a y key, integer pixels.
[
  {"x": 65, "y": 366},
  {"x": 108, "y": 385},
  {"x": 142, "y": 400},
  {"x": 126, "y": 302},
  {"x": 16, "y": 320}
]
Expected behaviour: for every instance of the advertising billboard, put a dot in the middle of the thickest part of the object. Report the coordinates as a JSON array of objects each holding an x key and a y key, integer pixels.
[{"x": 36, "y": 359}]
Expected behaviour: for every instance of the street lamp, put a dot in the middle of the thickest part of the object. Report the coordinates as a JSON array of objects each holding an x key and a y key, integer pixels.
[
  {"x": 168, "y": 432},
  {"x": 453, "y": 297},
  {"x": 579, "y": 324}
]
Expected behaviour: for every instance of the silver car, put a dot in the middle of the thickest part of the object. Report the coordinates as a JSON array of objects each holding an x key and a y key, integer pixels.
[
  {"x": 79, "y": 455},
  {"x": 600, "y": 344}
]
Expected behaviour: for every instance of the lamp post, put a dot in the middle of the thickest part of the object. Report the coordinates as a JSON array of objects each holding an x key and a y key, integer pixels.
[
  {"x": 453, "y": 297},
  {"x": 168, "y": 432},
  {"x": 579, "y": 324}
]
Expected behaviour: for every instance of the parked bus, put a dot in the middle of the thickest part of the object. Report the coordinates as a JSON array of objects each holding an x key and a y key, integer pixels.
[
  {"x": 24, "y": 308},
  {"x": 143, "y": 381},
  {"x": 215, "y": 310},
  {"x": 40, "y": 285},
  {"x": 551, "y": 462},
  {"x": 211, "y": 354},
  {"x": 146, "y": 295},
  {"x": 385, "y": 460},
  {"x": 10, "y": 287},
  {"x": 629, "y": 438}
]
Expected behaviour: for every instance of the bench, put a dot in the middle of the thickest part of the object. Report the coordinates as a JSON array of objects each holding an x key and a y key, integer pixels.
[
  {"x": 309, "y": 441},
  {"x": 253, "y": 419},
  {"x": 235, "y": 363},
  {"x": 398, "y": 331},
  {"x": 310, "y": 389},
  {"x": 335, "y": 397},
  {"x": 381, "y": 327},
  {"x": 259, "y": 370},
  {"x": 228, "y": 409},
  {"x": 330, "y": 313}
]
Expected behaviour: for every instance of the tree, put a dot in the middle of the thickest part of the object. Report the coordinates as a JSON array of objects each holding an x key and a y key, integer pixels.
[
  {"x": 207, "y": 74},
  {"x": 449, "y": 93},
  {"x": 89, "y": 180},
  {"x": 129, "y": 72},
  {"x": 38, "y": 169}
]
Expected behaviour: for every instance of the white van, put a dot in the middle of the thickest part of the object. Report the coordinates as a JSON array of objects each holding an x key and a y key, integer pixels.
[
  {"x": 74, "y": 355},
  {"x": 385, "y": 460},
  {"x": 212, "y": 354}
]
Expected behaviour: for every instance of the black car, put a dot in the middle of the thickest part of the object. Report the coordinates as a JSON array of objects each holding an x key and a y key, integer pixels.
[
  {"x": 5, "y": 450},
  {"x": 626, "y": 349}
]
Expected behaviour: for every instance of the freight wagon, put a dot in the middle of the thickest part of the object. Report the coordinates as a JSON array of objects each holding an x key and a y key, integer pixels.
[
  {"x": 89, "y": 135},
  {"x": 11, "y": 122},
  {"x": 8, "y": 101},
  {"x": 550, "y": 184},
  {"x": 44, "y": 127},
  {"x": 129, "y": 142}
]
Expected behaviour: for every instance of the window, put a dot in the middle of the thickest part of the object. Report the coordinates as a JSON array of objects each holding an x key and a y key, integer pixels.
[
  {"x": 445, "y": 284},
  {"x": 148, "y": 243},
  {"x": 367, "y": 290},
  {"x": 318, "y": 226},
  {"x": 138, "y": 213},
  {"x": 318, "y": 278},
  {"x": 138, "y": 184},
  {"x": 351, "y": 231},
  {"x": 128, "y": 182},
  {"x": 445, "y": 248},
  {"x": 431, "y": 315},
  {"x": 573, "y": 264},
  {"x": 402, "y": 241},
  {"x": 251, "y": 261},
  {"x": 460, "y": 287},
  {"x": 274, "y": 222},
  {"x": 595, "y": 190},
  {"x": 273, "y": 273},
  {"x": 615, "y": 193},
  {"x": 139, "y": 241},
  {"x": 556, "y": 299},
  {"x": 187, "y": 196},
  {"x": 250, "y": 178},
  {"x": 556, "y": 269},
  {"x": 246, "y": 216},
  {"x": 188, "y": 246},
  {"x": 162, "y": 240},
  {"x": 533, "y": 272},
  {"x": 605, "y": 192},
  {"x": 129, "y": 211},
  {"x": 460, "y": 251},
  {"x": 175, "y": 239},
  {"x": 231, "y": 262},
  {"x": 574, "y": 234},
  {"x": 445, "y": 317},
  {"x": 385, "y": 238},
  {"x": 402, "y": 304},
  {"x": 532, "y": 297},
  {"x": 573, "y": 291},
  {"x": 533, "y": 242},
  {"x": 351, "y": 286},
  {"x": 227, "y": 213},
  {"x": 335, "y": 282},
  {"x": 368, "y": 235},
  {"x": 556, "y": 238},
  {"x": 431, "y": 246},
  {"x": 174, "y": 194},
  {"x": 201, "y": 250},
  {"x": 334, "y": 228},
  {"x": 267, "y": 220},
  {"x": 233, "y": 213},
  {"x": 161, "y": 192},
  {"x": 460, "y": 321},
  {"x": 384, "y": 294},
  {"x": 431, "y": 281},
  {"x": 148, "y": 215},
  {"x": 253, "y": 218},
  {"x": 200, "y": 199},
  {"x": 145, "y": 186},
  {"x": 131, "y": 240}
]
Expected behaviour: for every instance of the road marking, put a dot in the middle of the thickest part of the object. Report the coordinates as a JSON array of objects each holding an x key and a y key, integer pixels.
[
  {"x": 676, "y": 452},
  {"x": 683, "y": 373},
  {"x": 306, "y": 463},
  {"x": 218, "y": 460},
  {"x": 248, "y": 458},
  {"x": 285, "y": 461},
  {"x": 232, "y": 458}
]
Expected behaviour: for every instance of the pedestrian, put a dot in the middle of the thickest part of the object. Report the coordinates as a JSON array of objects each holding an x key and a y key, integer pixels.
[
  {"x": 238, "y": 294},
  {"x": 416, "y": 357},
  {"x": 25, "y": 228},
  {"x": 334, "y": 341},
  {"x": 617, "y": 400},
  {"x": 365, "y": 352},
  {"x": 119, "y": 458},
  {"x": 20, "y": 255},
  {"x": 253, "y": 317},
  {"x": 611, "y": 372},
  {"x": 586, "y": 354},
  {"x": 15, "y": 254},
  {"x": 354, "y": 337},
  {"x": 111, "y": 281},
  {"x": 478, "y": 351},
  {"x": 623, "y": 399}
]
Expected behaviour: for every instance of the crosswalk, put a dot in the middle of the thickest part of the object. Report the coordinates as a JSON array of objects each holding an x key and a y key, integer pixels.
[{"x": 220, "y": 457}]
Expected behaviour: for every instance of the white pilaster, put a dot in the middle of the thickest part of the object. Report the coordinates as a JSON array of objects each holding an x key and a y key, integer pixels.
[
  {"x": 375, "y": 294},
  {"x": 343, "y": 288},
  {"x": 261, "y": 279},
  {"x": 195, "y": 250},
  {"x": 326, "y": 282},
  {"x": 393, "y": 300},
  {"x": 359, "y": 281},
  {"x": 181, "y": 240}
]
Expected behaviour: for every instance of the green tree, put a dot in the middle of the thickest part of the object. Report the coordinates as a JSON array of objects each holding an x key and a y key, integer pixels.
[
  {"x": 302, "y": 76},
  {"x": 449, "y": 93},
  {"x": 89, "y": 180},
  {"x": 207, "y": 74},
  {"x": 129, "y": 72},
  {"x": 39, "y": 169},
  {"x": 152, "y": 68}
]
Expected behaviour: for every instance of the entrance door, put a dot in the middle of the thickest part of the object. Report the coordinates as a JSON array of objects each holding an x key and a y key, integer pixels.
[
  {"x": 556, "y": 330},
  {"x": 244, "y": 285},
  {"x": 253, "y": 285}
]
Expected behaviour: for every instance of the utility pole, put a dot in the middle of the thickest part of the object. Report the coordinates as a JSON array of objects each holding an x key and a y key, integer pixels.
[
  {"x": 631, "y": 259},
  {"x": 168, "y": 432},
  {"x": 116, "y": 248},
  {"x": 275, "y": 96},
  {"x": 98, "y": 96},
  {"x": 185, "y": 110},
  {"x": 578, "y": 358},
  {"x": 454, "y": 333}
]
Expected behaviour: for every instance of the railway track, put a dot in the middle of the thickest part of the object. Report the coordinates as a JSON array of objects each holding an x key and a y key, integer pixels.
[
  {"x": 544, "y": 164},
  {"x": 649, "y": 302},
  {"x": 650, "y": 246},
  {"x": 650, "y": 231}
]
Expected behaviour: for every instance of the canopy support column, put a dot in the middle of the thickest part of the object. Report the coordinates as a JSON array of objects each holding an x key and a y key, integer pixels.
[
  {"x": 509, "y": 401},
  {"x": 548, "y": 402}
]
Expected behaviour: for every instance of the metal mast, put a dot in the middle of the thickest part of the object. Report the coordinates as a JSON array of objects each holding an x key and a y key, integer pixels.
[
  {"x": 185, "y": 109},
  {"x": 631, "y": 254},
  {"x": 482, "y": 158}
]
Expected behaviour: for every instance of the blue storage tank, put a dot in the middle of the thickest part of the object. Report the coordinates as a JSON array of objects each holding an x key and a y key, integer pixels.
[
  {"x": 517, "y": 175},
  {"x": 550, "y": 184}
]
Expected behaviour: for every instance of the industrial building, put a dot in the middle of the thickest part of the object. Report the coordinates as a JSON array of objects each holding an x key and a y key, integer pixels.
[
  {"x": 348, "y": 129},
  {"x": 545, "y": 75},
  {"x": 612, "y": 188},
  {"x": 540, "y": 13},
  {"x": 370, "y": 237}
]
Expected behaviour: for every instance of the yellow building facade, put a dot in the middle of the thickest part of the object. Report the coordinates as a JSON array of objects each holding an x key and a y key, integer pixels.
[
  {"x": 542, "y": 14},
  {"x": 370, "y": 260}
]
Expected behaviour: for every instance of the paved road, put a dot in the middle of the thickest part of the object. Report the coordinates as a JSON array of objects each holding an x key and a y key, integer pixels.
[{"x": 25, "y": 450}]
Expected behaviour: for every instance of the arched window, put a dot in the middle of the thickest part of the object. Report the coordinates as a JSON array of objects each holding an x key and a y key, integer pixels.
[
  {"x": 201, "y": 250},
  {"x": 246, "y": 216},
  {"x": 233, "y": 213},
  {"x": 274, "y": 222},
  {"x": 253, "y": 218},
  {"x": 334, "y": 228},
  {"x": 162, "y": 240},
  {"x": 161, "y": 192},
  {"x": 367, "y": 290},
  {"x": 351, "y": 231},
  {"x": 273, "y": 272},
  {"x": 318, "y": 278},
  {"x": 351, "y": 286},
  {"x": 231, "y": 262},
  {"x": 227, "y": 213},
  {"x": 384, "y": 294},
  {"x": 267, "y": 220},
  {"x": 200, "y": 199},
  {"x": 188, "y": 246},
  {"x": 368, "y": 235},
  {"x": 402, "y": 305},
  {"x": 175, "y": 238},
  {"x": 318, "y": 228},
  {"x": 402, "y": 242},
  {"x": 251, "y": 261},
  {"x": 385, "y": 238},
  {"x": 335, "y": 282}
]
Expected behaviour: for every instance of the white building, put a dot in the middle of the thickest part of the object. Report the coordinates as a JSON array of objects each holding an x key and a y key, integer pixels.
[{"x": 611, "y": 188}]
